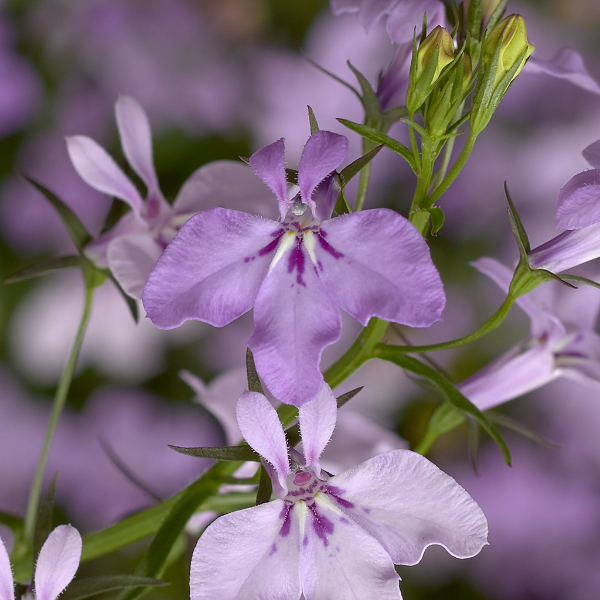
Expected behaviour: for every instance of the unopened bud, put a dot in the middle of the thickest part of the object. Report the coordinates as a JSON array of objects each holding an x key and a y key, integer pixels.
[{"x": 441, "y": 40}]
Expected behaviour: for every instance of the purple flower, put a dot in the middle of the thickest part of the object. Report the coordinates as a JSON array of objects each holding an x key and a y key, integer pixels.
[
  {"x": 297, "y": 272},
  {"x": 578, "y": 211},
  {"x": 131, "y": 248},
  {"x": 330, "y": 538},
  {"x": 56, "y": 565},
  {"x": 554, "y": 348}
]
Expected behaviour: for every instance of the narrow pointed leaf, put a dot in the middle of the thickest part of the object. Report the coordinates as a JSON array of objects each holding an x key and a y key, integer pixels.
[
  {"x": 47, "y": 266},
  {"x": 341, "y": 206},
  {"x": 522, "y": 234},
  {"x": 314, "y": 125},
  {"x": 100, "y": 584},
  {"x": 237, "y": 453},
  {"x": 333, "y": 76},
  {"x": 341, "y": 400},
  {"x": 76, "y": 229},
  {"x": 43, "y": 521},
  {"x": 265, "y": 487},
  {"x": 254, "y": 384},
  {"x": 355, "y": 167},
  {"x": 369, "y": 98},
  {"x": 132, "y": 304},
  {"x": 577, "y": 279},
  {"x": 514, "y": 425}
]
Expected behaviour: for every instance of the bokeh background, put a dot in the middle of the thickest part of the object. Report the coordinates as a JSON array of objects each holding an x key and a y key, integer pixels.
[{"x": 220, "y": 78}]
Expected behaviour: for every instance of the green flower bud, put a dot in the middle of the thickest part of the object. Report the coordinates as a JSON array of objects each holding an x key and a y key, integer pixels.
[{"x": 441, "y": 40}]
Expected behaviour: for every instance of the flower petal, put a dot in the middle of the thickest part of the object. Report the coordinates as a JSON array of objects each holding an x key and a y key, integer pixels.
[
  {"x": 566, "y": 64},
  {"x": 578, "y": 203},
  {"x": 7, "y": 586},
  {"x": 371, "y": 11},
  {"x": 406, "y": 503},
  {"x": 592, "y": 154},
  {"x": 248, "y": 554},
  {"x": 228, "y": 184},
  {"x": 131, "y": 258},
  {"x": 136, "y": 139},
  {"x": 261, "y": 428},
  {"x": 340, "y": 560},
  {"x": 322, "y": 154},
  {"x": 376, "y": 264},
  {"x": 212, "y": 270},
  {"x": 99, "y": 170},
  {"x": 344, "y": 6},
  {"x": 57, "y": 563},
  {"x": 317, "y": 422},
  {"x": 295, "y": 319},
  {"x": 268, "y": 163},
  {"x": 408, "y": 14}
]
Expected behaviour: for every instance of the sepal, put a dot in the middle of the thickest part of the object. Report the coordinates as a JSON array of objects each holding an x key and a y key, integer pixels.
[{"x": 229, "y": 453}]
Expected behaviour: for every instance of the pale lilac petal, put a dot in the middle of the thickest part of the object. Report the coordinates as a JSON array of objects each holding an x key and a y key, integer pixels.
[
  {"x": 592, "y": 154},
  {"x": 344, "y": 6},
  {"x": 371, "y": 11},
  {"x": 248, "y": 555},
  {"x": 131, "y": 258},
  {"x": 317, "y": 422},
  {"x": 212, "y": 270},
  {"x": 567, "y": 250},
  {"x": 226, "y": 183},
  {"x": 408, "y": 14},
  {"x": 505, "y": 379},
  {"x": 322, "y": 154},
  {"x": 136, "y": 139},
  {"x": 408, "y": 504},
  {"x": 57, "y": 563},
  {"x": 261, "y": 428},
  {"x": 269, "y": 164},
  {"x": 376, "y": 264},
  {"x": 295, "y": 319},
  {"x": 578, "y": 358},
  {"x": 566, "y": 64},
  {"x": 578, "y": 203},
  {"x": 99, "y": 170},
  {"x": 7, "y": 586},
  {"x": 341, "y": 561}
]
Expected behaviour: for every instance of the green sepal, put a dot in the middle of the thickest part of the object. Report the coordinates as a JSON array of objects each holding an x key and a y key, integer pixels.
[
  {"x": 341, "y": 400},
  {"x": 369, "y": 98},
  {"x": 496, "y": 16},
  {"x": 265, "y": 487},
  {"x": 341, "y": 205},
  {"x": 355, "y": 167},
  {"x": 314, "y": 126},
  {"x": 473, "y": 20},
  {"x": 236, "y": 453},
  {"x": 577, "y": 279},
  {"x": 42, "y": 268},
  {"x": 437, "y": 218},
  {"x": 520, "y": 234},
  {"x": 514, "y": 425},
  {"x": 254, "y": 384},
  {"x": 381, "y": 138},
  {"x": 75, "y": 228},
  {"x": 100, "y": 584},
  {"x": 43, "y": 521}
]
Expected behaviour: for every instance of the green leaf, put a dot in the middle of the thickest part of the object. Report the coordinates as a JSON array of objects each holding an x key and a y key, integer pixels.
[
  {"x": 254, "y": 384},
  {"x": 518, "y": 229},
  {"x": 43, "y": 521},
  {"x": 100, "y": 584},
  {"x": 47, "y": 266},
  {"x": 355, "y": 167},
  {"x": 74, "y": 226},
  {"x": 13, "y": 522},
  {"x": 265, "y": 487},
  {"x": 314, "y": 126},
  {"x": 237, "y": 453},
  {"x": 381, "y": 138},
  {"x": 448, "y": 390},
  {"x": 369, "y": 99},
  {"x": 341, "y": 400},
  {"x": 514, "y": 425},
  {"x": 437, "y": 219},
  {"x": 131, "y": 302}
]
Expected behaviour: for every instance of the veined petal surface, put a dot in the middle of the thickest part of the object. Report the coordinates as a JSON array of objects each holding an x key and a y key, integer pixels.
[
  {"x": 269, "y": 164},
  {"x": 578, "y": 203},
  {"x": 7, "y": 586}
]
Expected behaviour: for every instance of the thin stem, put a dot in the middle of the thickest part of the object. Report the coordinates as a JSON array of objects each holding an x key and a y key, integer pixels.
[
  {"x": 365, "y": 174},
  {"x": 57, "y": 407}
]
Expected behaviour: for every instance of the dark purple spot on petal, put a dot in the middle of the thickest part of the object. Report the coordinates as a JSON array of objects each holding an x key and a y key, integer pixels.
[
  {"x": 273, "y": 549},
  {"x": 327, "y": 246},
  {"x": 322, "y": 525},
  {"x": 305, "y": 541},
  {"x": 247, "y": 259},
  {"x": 366, "y": 510},
  {"x": 272, "y": 245},
  {"x": 296, "y": 261}
]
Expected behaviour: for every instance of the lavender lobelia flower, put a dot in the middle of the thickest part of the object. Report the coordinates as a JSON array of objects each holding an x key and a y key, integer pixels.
[
  {"x": 56, "y": 565},
  {"x": 554, "y": 348},
  {"x": 578, "y": 211},
  {"x": 330, "y": 538},
  {"x": 132, "y": 246},
  {"x": 296, "y": 272}
]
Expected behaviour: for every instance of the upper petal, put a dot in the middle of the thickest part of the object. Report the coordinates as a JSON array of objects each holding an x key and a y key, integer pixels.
[
  {"x": 212, "y": 270},
  {"x": 408, "y": 14},
  {"x": 340, "y": 560},
  {"x": 261, "y": 428},
  {"x": 376, "y": 264},
  {"x": 7, "y": 586},
  {"x": 322, "y": 154},
  {"x": 407, "y": 504},
  {"x": 269, "y": 165},
  {"x": 592, "y": 154},
  {"x": 99, "y": 170},
  {"x": 57, "y": 563},
  {"x": 295, "y": 319},
  {"x": 342, "y": 6},
  {"x": 248, "y": 555},
  {"x": 578, "y": 203},
  {"x": 371, "y": 11},
  {"x": 136, "y": 139},
  {"x": 317, "y": 422}
]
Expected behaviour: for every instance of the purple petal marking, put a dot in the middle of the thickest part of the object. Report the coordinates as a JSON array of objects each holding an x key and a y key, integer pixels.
[
  {"x": 294, "y": 323},
  {"x": 592, "y": 154},
  {"x": 322, "y": 154},
  {"x": 336, "y": 492},
  {"x": 287, "y": 519},
  {"x": 7, "y": 586},
  {"x": 234, "y": 557},
  {"x": 57, "y": 563},
  {"x": 579, "y": 201},
  {"x": 296, "y": 262},
  {"x": 322, "y": 526},
  {"x": 261, "y": 428},
  {"x": 408, "y": 14},
  {"x": 412, "y": 505},
  {"x": 203, "y": 273},
  {"x": 268, "y": 163},
  {"x": 376, "y": 264},
  {"x": 136, "y": 139}
]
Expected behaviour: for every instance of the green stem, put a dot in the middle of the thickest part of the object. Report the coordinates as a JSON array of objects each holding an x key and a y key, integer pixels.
[
  {"x": 59, "y": 402},
  {"x": 363, "y": 180}
]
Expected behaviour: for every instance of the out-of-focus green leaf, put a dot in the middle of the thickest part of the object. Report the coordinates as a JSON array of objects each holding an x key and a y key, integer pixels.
[
  {"x": 314, "y": 125},
  {"x": 265, "y": 487},
  {"x": 354, "y": 168},
  {"x": 254, "y": 384},
  {"x": 243, "y": 453},
  {"x": 47, "y": 266},
  {"x": 100, "y": 584},
  {"x": 43, "y": 521}
]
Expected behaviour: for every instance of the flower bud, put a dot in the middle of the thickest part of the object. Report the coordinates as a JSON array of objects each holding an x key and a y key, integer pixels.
[
  {"x": 487, "y": 9},
  {"x": 439, "y": 39}
]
